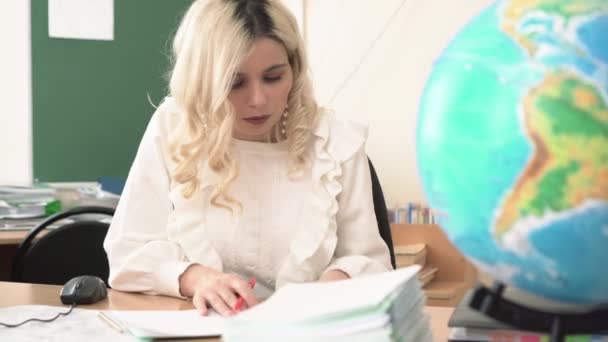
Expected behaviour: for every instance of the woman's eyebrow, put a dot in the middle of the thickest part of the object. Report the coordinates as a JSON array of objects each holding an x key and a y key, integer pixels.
[
  {"x": 271, "y": 68},
  {"x": 276, "y": 66}
]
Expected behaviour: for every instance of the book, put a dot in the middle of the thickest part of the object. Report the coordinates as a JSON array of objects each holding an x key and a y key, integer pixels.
[
  {"x": 464, "y": 334},
  {"x": 407, "y": 255},
  {"x": 379, "y": 307},
  {"x": 427, "y": 274},
  {"x": 443, "y": 289},
  {"x": 467, "y": 324}
]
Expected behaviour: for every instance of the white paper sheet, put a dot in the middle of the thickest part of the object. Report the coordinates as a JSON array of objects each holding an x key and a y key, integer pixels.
[
  {"x": 168, "y": 324},
  {"x": 81, "y": 19},
  {"x": 79, "y": 325},
  {"x": 86, "y": 325}
]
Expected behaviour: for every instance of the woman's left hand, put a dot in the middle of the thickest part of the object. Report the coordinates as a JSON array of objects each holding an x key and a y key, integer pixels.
[{"x": 333, "y": 275}]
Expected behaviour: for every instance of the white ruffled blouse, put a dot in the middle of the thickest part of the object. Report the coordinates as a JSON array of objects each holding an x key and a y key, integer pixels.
[{"x": 290, "y": 230}]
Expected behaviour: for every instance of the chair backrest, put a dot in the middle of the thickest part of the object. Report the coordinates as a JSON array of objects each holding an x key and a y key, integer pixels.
[
  {"x": 381, "y": 213},
  {"x": 68, "y": 251}
]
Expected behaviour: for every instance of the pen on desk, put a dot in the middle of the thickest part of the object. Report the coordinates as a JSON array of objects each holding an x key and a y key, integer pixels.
[
  {"x": 238, "y": 306},
  {"x": 114, "y": 325}
]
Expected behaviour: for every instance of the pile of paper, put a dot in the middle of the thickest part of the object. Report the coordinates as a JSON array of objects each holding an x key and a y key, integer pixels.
[
  {"x": 381, "y": 307},
  {"x": 18, "y": 202}
]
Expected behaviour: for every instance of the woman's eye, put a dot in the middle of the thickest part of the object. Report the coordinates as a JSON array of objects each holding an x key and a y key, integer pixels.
[
  {"x": 272, "y": 78},
  {"x": 237, "y": 84}
]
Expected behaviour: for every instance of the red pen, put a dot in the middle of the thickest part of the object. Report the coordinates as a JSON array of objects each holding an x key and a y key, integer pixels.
[{"x": 238, "y": 306}]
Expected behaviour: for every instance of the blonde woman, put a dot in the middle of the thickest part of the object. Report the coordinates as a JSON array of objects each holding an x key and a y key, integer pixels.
[{"x": 240, "y": 173}]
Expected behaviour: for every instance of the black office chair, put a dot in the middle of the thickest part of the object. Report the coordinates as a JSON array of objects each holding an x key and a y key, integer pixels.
[
  {"x": 381, "y": 213},
  {"x": 68, "y": 251}
]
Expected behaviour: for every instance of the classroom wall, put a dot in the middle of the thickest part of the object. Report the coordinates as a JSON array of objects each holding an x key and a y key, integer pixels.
[
  {"x": 382, "y": 88},
  {"x": 15, "y": 93},
  {"x": 16, "y": 124}
]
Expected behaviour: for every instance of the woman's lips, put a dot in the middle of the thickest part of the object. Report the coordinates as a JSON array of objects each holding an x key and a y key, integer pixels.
[{"x": 257, "y": 120}]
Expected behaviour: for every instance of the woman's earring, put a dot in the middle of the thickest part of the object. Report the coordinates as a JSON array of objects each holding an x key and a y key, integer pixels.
[
  {"x": 205, "y": 126},
  {"x": 284, "y": 123}
]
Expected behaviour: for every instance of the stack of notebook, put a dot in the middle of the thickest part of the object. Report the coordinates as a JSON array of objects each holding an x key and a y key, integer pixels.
[{"x": 381, "y": 307}]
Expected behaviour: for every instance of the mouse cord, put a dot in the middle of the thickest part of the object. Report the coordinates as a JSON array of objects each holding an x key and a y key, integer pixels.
[{"x": 39, "y": 319}]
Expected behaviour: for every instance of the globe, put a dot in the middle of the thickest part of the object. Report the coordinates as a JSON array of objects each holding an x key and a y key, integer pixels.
[{"x": 512, "y": 146}]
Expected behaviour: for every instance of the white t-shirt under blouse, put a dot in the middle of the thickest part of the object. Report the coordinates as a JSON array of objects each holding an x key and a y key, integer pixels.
[{"x": 290, "y": 230}]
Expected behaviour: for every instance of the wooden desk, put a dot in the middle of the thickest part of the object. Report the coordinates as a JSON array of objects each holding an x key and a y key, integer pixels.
[
  {"x": 21, "y": 294},
  {"x": 14, "y": 237}
]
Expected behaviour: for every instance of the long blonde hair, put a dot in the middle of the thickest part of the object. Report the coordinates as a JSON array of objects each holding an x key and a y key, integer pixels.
[{"x": 210, "y": 43}]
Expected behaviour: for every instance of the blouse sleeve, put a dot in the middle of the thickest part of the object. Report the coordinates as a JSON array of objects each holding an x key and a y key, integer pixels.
[
  {"x": 140, "y": 254},
  {"x": 360, "y": 249}
]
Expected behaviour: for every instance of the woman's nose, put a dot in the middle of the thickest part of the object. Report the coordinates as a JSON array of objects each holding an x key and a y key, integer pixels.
[{"x": 257, "y": 96}]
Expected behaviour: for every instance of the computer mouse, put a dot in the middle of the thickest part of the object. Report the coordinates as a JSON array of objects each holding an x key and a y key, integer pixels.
[{"x": 86, "y": 289}]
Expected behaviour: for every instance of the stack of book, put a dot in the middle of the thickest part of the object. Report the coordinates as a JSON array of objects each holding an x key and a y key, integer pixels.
[
  {"x": 427, "y": 274},
  {"x": 381, "y": 307},
  {"x": 415, "y": 254}
]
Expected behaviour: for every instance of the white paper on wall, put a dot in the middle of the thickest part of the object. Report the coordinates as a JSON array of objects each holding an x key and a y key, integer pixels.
[{"x": 81, "y": 19}]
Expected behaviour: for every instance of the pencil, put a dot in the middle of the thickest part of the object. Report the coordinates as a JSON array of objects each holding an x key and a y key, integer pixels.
[{"x": 114, "y": 325}]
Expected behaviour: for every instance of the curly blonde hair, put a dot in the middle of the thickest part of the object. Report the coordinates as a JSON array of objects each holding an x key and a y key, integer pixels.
[{"x": 210, "y": 43}]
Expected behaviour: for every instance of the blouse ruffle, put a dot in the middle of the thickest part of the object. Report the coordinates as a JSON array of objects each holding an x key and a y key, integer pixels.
[{"x": 313, "y": 247}]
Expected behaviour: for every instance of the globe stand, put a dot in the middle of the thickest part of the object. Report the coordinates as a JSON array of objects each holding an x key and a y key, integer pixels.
[{"x": 492, "y": 303}]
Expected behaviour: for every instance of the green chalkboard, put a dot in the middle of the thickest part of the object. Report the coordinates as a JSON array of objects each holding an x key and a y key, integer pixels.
[{"x": 89, "y": 100}]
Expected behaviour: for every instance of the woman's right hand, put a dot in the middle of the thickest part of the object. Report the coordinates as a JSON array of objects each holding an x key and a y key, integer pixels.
[{"x": 209, "y": 288}]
